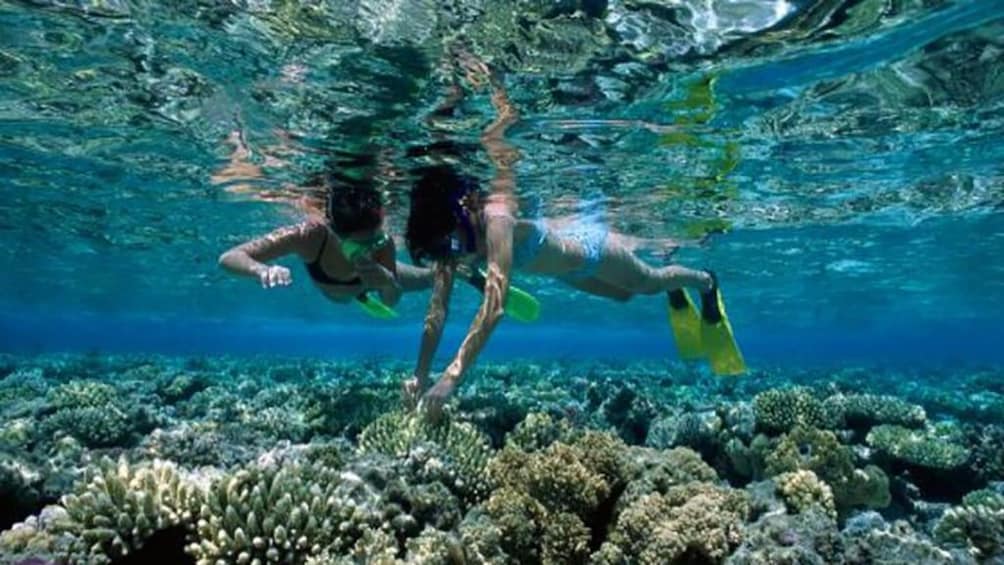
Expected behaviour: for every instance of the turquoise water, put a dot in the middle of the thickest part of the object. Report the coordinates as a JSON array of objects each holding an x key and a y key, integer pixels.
[
  {"x": 866, "y": 196},
  {"x": 844, "y": 155}
]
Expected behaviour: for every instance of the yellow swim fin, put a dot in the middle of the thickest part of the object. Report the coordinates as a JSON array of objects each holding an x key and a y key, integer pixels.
[
  {"x": 716, "y": 334},
  {"x": 686, "y": 324}
]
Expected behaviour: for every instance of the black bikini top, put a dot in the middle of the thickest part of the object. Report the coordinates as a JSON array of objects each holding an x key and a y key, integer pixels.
[{"x": 317, "y": 273}]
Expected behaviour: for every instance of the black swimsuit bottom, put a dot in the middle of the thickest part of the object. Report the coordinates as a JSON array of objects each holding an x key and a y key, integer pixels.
[{"x": 317, "y": 273}]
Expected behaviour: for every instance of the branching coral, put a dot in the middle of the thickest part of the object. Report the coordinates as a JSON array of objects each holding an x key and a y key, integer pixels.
[
  {"x": 977, "y": 525},
  {"x": 698, "y": 521},
  {"x": 114, "y": 512},
  {"x": 272, "y": 514},
  {"x": 548, "y": 501},
  {"x": 821, "y": 452},
  {"x": 780, "y": 410},
  {"x": 937, "y": 447},
  {"x": 802, "y": 490},
  {"x": 866, "y": 410},
  {"x": 458, "y": 446}
]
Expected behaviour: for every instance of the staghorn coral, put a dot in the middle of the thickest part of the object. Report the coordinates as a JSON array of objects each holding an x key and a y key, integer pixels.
[
  {"x": 936, "y": 447},
  {"x": 802, "y": 490},
  {"x": 698, "y": 521},
  {"x": 116, "y": 510},
  {"x": 266, "y": 514},
  {"x": 781, "y": 410},
  {"x": 459, "y": 447}
]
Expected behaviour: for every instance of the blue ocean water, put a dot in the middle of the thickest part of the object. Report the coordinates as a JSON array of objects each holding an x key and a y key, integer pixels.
[{"x": 864, "y": 212}]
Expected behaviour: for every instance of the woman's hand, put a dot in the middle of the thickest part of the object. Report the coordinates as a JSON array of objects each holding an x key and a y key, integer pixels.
[
  {"x": 411, "y": 391},
  {"x": 275, "y": 275},
  {"x": 431, "y": 405}
]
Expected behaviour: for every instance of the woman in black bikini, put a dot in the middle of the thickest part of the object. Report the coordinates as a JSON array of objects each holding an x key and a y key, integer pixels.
[{"x": 347, "y": 256}]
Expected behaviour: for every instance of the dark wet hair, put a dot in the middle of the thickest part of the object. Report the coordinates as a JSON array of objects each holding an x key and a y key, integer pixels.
[
  {"x": 353, "y": 204},
  {"x": 435, "y": 195}
]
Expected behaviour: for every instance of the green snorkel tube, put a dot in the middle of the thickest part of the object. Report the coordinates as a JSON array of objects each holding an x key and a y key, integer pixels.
[{"x": 368, "y": 301}]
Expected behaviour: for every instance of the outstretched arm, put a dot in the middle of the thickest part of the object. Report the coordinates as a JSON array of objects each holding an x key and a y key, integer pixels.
[
  {"x": 432, "y": 330},
  {"x": 499, "y": 217},
  {"x": 250, "y": 258}
]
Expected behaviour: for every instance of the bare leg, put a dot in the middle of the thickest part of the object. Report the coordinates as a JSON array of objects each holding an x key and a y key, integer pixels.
[
  {"x": 412, "y": 278},
  {"x": 621, "y": 268},
  {"x": 597, "y": 287}
]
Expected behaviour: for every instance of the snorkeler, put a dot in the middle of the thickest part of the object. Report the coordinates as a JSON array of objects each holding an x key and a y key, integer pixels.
[
  {"x": 348, "y": 256},
  {"x": 452, "y": 224}
]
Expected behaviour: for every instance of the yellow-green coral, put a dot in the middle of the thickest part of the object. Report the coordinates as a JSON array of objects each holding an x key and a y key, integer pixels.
[
  {"x": 802, "y": 490},
  {"x": 780, "y": 410},
  {"x": 548, "y": 500},
  {"x": 260, "y": 515},
  {"x": 979, "y": 528},
  {"x": 936, "y": 447},
  {"x": 122, "y": 505},
  {"x": 462, "y": 446},
  {"x": 537, "y": 431},
  {"x": 821, "y": 452},
  {"x": 872, "y": 409},
  {"x": 699, "y": 520}
]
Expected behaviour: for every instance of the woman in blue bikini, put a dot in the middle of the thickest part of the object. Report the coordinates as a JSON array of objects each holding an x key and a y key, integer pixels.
[{"x": 452, "y": 224}]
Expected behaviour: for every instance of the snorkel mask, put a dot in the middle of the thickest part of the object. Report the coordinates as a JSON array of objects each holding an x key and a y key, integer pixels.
[{"x": 354, "y": 249}]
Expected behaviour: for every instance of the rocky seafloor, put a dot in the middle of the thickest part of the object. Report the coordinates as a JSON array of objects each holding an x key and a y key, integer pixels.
[{"x": 140, "y": 459}]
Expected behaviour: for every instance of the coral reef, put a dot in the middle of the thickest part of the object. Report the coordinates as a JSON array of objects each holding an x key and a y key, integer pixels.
[
  {"x": 781, "y": 410},
  {"x": 238, "y": 460},
  {"x": 457, "y": 446},
  {"x": 802, "y": 490},
  {"x": 936, "y": 447},
  {"x": 115, "y": 511},
  {"x": 697, "y": 521},
  {"x": 810, "y": 538}
]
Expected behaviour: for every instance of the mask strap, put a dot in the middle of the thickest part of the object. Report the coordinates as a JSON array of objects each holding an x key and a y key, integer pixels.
[{"x": 461, "y": 214}]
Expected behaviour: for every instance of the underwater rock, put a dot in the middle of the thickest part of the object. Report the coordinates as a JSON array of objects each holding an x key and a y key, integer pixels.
[
  {"x": 868, "y": 538},
  {"x": 810, "y": 538},
  {"x": 20, "y": 490}
]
